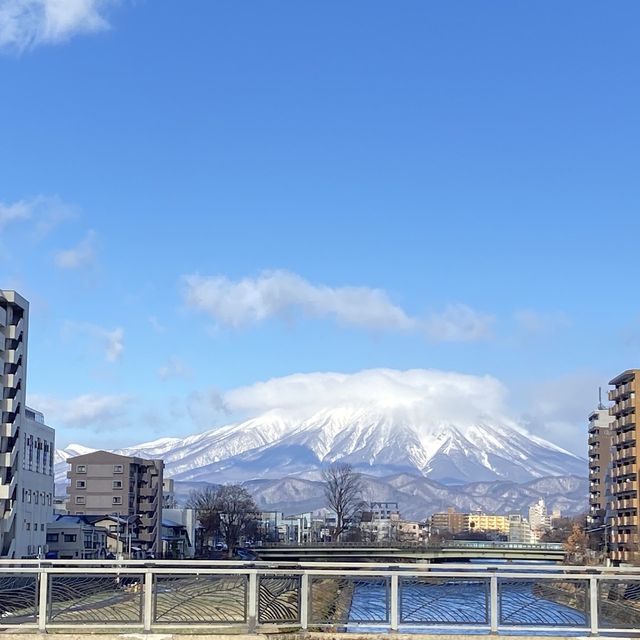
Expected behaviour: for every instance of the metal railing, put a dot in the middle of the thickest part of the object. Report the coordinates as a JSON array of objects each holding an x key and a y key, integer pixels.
[{"x": 359, "y": 597}]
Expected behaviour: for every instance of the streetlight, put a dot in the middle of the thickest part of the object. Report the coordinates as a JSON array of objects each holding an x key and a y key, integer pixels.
[{"x": 136, "y": 516}]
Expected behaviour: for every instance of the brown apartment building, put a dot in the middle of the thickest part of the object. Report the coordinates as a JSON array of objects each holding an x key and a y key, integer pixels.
[
  {"x": 102, "y": 483},
  {"x": 624, "y": 539},
  {"x": 449, "y": 522},
  {"x": 600, "y": 434}
]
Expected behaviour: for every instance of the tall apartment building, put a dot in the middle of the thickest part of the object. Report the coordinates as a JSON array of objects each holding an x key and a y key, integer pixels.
[
  {"x": 450, "y": 522},
  {"x": 539, "y": 517},
  {"x": 624, "y": 540},
  {"x": 600, "y": 435},
  {"x": 27, "y": 445},
  {"x": 103, "y": 483}
]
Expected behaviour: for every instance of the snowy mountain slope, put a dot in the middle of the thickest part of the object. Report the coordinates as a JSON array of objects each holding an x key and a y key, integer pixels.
[
  {"x": 419, "y": 497},
  {"x": 375, "y": 441}
]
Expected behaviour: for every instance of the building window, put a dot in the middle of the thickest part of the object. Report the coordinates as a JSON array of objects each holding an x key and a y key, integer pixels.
[
  {"x": 42, "y": 527},
  {"x": 80, "y": 500},
  {"x": 81, "y": 468},
  {"x": 35, "y": 497},
  {"x": 117, "y": 484},
  {"x": 118, "y": 468},
  {"x": 53, "y": 537},
  {"x": 49, "y": 499},
  {"x": 28, "y": 526},
  {"x": 70, "y": 537},
  {"x": 81, "y": 484},
  {"x": 113, "y": 528},
  {"x": 117, "y": 500}
]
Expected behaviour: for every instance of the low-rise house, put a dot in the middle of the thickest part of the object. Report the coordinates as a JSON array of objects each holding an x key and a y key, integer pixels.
[
  {"x": 186, "y": 518},
  {"x": 72, "y": 537},
  {"x": 176, "y": 543},
  {"x": 122, "y": 535}
]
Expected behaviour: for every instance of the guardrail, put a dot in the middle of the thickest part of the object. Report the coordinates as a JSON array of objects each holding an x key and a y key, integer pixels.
[
  {"x": 489, "y": 544},
  {"x": 359, "y": 597}
]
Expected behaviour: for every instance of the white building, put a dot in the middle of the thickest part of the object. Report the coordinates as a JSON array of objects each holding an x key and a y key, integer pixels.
[
  {"x": 520, "y": 530},
  {"x": 539, "y": 518},
  {"x": 27, "y": 445}
]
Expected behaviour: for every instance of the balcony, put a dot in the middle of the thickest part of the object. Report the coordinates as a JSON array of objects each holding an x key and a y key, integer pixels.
[
  {"x": 623, "y": 504},
  {"x": 623, "y": 438},
  {"x": 624, "y": 487},
  {"x": 8, "y": 429},
  {"x": 9, "y": 404},
  {"x": 625, "y": 454},
  {"x": 8, "y": 459},
  {"x": 625, "y": 470},
  {"x": 14, "y": 330},
  {"x": 12, "y": 356},
  {"x": 6, "y": 490},
  {"x": 627, "y": 420},
  {"x": 12, "y": 380}
]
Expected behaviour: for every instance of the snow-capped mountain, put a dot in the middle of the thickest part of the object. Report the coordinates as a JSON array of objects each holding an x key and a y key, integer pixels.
[{"x": 378, "y": 441}]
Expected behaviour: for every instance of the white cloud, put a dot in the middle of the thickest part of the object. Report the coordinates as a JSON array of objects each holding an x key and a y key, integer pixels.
[
  {"x": 112, "y": 340},
  {"x": 173, "y": 368},
  {"x": 279, "y": 293},
  {"x": 558, "y": 408},
  {"x": 25, "y": 24},
  {"x": 282, "y": 293},
  {"x": 459, "y": 323},
  {"x": 84, "y": 411},
  {"x": 421, "y": 396},
  {"x": 533, "y": 322},
  {"x": 82, "y": 255},
  {"x": 43, "y": 212},
  {"x": 9, "y": 213}
]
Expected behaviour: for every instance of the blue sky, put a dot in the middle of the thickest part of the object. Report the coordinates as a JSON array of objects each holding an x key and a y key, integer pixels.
[{"x": 199, "y": 195}]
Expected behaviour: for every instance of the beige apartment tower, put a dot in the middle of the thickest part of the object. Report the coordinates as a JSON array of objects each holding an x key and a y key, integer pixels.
[
  {"x": 624, "y": 469},
  {"x": 600, "y": 436},
  {"x": 103, "y": 483}
]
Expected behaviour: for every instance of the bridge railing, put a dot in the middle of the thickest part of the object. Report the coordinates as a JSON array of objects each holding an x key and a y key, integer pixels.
[{"x": 356, "y": 597}]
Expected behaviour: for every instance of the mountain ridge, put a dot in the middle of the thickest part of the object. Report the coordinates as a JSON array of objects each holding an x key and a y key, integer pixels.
[{"x": 376, "y": 442}]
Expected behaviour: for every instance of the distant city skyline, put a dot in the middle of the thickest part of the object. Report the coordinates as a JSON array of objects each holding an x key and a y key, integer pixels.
[{"x": 197, "y": 202}]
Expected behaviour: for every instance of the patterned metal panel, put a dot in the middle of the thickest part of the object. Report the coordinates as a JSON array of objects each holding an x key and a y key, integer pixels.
[
  {"x": 619, "y": 604},
  {"x": 343, "y": 600},
  {"x": 200, "y": 599},
  {"x": 444, "y": 601},
  {"x": 279, "y": 599},
  {"x": 95, "y": 598},
  {"x": 18, "y": 600},
  {"x": 554, "y": 603}
]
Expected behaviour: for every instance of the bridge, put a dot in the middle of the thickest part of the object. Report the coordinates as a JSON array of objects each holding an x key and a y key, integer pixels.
[
  {"x": 316, "y": 599},
  {"x": 449, "y": 551}
]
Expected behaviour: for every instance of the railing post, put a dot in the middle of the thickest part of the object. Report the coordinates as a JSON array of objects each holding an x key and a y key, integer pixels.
[
  {"x": 252, "y": 612},
  {"x": 43, "y": 596},
  {"x": 593, "y": 605},
  {"x": 493, "y": 603},
  {"x": 304, "y": 601},
  {"x": 147, "y": 602},
  {"x": 394, "y": 611}
]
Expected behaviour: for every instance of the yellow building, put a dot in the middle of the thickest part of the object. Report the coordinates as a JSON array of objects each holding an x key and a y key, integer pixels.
[{"x": 484, "y": 522}]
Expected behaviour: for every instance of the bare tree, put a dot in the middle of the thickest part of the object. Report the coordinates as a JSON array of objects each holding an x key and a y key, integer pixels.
[
  {"x": 343, "y": 492},
  {"x": 228, "y": 511},
  {"x": 576, "y": 545}
]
